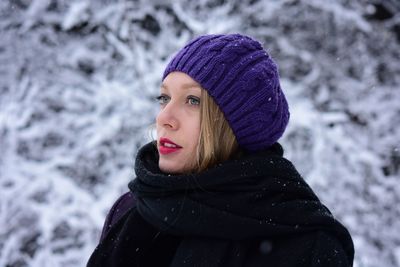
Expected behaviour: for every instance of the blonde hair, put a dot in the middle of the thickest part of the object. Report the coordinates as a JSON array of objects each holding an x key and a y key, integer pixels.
[{"x": 217, "y": 143}]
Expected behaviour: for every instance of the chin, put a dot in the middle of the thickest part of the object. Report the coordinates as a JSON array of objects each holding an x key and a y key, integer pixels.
[
  {"x": 173, "y": 168},
  {"x": 170, "y": 169}
]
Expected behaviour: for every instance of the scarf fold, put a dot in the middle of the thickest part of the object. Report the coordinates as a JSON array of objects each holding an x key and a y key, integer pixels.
[{"x": 258, "y": 196}]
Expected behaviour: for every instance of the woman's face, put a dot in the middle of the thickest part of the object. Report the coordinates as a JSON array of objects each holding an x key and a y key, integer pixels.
[{"x": 178, "y": 123}]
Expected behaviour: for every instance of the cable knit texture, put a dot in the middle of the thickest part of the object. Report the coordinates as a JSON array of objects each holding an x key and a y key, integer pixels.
[{"x": 244, "y": 82}]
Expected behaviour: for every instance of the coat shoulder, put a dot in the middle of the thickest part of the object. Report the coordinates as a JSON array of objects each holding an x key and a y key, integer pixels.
[
  {"x": 118, "y": 209},
  {"x": 329, "y": 251}
]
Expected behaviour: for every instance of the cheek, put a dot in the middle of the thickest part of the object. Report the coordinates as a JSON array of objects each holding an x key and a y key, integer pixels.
[
  {"x": 157, "y": 121},
  {"x": 157, "y": 128},
  {"x": 195, "y": 133}
]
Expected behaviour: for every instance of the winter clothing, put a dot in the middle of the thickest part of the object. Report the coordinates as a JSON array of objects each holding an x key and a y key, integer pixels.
[
  {"x": 120, "y": 207},
  {"x": 243, "y": 80},
  {"x": 252, "y": 211}
]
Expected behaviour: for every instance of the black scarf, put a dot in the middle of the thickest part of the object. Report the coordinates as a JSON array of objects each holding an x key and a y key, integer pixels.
[{"x": 252, "y": 211}]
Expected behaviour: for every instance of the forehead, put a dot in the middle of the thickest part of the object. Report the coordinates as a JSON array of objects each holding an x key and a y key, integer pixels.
[{"x": 179, "y": 80}]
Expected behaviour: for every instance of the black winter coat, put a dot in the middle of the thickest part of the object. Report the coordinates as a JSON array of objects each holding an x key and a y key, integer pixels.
[{"x": 252, "y": 211}]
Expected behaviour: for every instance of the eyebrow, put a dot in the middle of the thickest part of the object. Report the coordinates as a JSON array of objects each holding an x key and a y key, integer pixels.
[{"x": 184, "y": 86}]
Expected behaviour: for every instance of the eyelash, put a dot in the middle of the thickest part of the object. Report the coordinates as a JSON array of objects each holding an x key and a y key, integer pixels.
[
  {"x": 194, "y": 98},
  {"x": 161, "y": 98}
]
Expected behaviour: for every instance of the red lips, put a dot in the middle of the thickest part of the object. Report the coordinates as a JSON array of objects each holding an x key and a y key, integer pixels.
[{"x": 167, "y": 146}]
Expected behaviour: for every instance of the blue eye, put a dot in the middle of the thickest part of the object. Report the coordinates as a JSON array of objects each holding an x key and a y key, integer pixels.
[
  {"x": 162, "y": 99},
  {"x": 192, "y": 100}
]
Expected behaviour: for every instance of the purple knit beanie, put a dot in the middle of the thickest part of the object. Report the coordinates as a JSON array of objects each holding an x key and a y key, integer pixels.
[{"x": 243, "y": 80}]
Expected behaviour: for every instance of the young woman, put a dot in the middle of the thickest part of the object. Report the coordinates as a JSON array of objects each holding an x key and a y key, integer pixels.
[{"x": 214, "y": 189}]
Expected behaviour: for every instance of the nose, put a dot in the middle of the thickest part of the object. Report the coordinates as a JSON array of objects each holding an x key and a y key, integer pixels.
[{"x": 167, "y": 117}]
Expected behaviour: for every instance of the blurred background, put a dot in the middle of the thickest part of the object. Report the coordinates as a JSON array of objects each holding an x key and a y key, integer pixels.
[{"x": 77, "y": 85}]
